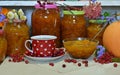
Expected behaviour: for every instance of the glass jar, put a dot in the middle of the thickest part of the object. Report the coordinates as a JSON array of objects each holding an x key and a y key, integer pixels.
[
  {"x": 46, "y": 21},
  {"x": 93, "y": 27},
  {"x": 73, "y": 24},
  {"x": 3, "y": 46},
  {"x": 16, "y": 34}
]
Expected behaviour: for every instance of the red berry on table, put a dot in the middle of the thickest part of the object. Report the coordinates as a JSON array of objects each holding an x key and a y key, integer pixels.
[
  {"x": 74, "y": 61},
  {"x": 9, "y": 60},
  {"x": 51, "y": 64},
  {"x": 79, "y": 64},
  {"x": 84, "y": 61},
  {"x": 115, "y": 64},
  {"x": 63, "y": 65},
  {"x": 67, "y": 60},
  {"x": 86, "y": 64},
  {"x": 14, "y": 60},
  {"x": 95, "y": 59},
  {"x": 26, "y": 61}
]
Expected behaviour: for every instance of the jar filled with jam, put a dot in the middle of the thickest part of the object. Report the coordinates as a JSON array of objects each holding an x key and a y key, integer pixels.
[
  {"x": 95, "y": 26},
  {"x": 3, "y": 45},
  {"x": 16, "y": 35},
  {"x": 16, "y": 32},
  {"x": 73, "y": 24},
  {"x": 3, "y": 41},
  {"x": 46, "y": 21}
]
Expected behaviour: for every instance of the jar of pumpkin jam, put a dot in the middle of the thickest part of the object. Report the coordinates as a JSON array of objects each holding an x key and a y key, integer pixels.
[
  {"x": 73, "y": 24},
  {"x": 93, "y": 27},
  {"x": 16, "y": 34},
  {"x": 3, "y": 46},
  {"x": 46, "y": 21}
]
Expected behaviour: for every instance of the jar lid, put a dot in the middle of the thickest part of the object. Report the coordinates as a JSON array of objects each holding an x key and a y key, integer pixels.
[
  {"x": 75, "y": 12},
  {"x": 46, "y": 6},
  {"x": 50, "y": 6}
]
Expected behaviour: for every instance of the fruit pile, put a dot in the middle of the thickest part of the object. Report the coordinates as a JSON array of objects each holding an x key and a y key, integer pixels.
[{"x": 17, "y": 58}]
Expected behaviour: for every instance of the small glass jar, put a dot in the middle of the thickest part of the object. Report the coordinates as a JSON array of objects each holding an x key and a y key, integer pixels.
[
  {"x": 73, "y": 24},
  {"x": 16, "y": 34},
  {"x": 3, "y": 46},
  {"x": 93, "y": 27},
  {"x": 46, "y": 21}
]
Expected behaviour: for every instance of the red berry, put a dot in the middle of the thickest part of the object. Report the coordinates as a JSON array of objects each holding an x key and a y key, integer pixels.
[
  {"x": 26, "y": 61},
  {"x": 58, "y": 52},
  {"x": 74, "y": 61},
  {"x": 86, "y": 64},
  {"x": 115, "y": 65},
  {"x": 70, "y": 60},
  {"x": 9, "y": 60},
  {"x": 51, "y": 64},
  {"x": 67, "y": 60},
  {"x": 84, "y": 61},
  {"x": 95, "y": 59},
  {"x": 63, "y": 65},
  {"x": 79, "y": 64}
]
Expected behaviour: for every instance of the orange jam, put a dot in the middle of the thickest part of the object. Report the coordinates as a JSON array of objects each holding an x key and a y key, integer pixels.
[
  {"x": 3, "y": 46},
  {"x": 16, "y": 35},
  {"x": 92, "y": 30},
  {"x": 46, "y": 21},
  {"x": 73, "y": 26},
  {"x": 80, "y": 48}
]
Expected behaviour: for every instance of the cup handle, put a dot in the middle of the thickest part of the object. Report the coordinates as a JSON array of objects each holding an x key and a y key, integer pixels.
[{"x": 30, "y": 41}]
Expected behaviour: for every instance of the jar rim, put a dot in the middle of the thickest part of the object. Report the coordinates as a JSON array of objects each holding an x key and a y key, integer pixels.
[
  {"x": 97, "y": 21},
  {"x": 75, "y": 12}
]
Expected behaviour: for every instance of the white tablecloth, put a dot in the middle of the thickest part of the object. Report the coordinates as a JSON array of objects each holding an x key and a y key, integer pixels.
[{"x": 43, "y": 68}]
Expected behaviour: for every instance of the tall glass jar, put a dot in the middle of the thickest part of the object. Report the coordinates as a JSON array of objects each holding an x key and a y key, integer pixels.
[
  {"x": 3, "y": 46},
  {"x": 16, "y": 34},
  {"x": 73, "y": 24},
  {"x": 46, "y": 21},
  {"x": 93, "y": 27}
]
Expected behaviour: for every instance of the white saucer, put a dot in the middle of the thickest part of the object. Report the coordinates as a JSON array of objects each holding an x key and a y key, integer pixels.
[{"x": 43, "y": 58}]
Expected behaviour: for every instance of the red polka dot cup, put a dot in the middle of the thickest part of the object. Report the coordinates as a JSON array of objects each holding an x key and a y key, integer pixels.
[{"x": 42, "y": 45}]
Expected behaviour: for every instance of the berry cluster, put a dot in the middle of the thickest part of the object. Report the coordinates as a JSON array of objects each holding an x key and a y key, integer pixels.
[
  {"x": 17, "y": 58},
  {"x": 105, "y": 58},
  {"x": 85, "y": 62},
  {"x": 58, "y": 52},
  {"x": 70, "y": 60}
]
